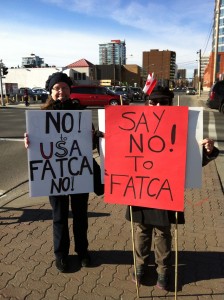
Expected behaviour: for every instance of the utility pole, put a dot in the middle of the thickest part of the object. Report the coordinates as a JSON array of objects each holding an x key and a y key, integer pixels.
[
  {"x": 1, "y": 74},
  {"x": 199, "y": 72},
  {"x": 217, "y": 12}
]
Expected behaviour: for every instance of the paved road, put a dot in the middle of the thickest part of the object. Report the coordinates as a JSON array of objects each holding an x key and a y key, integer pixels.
[{"x": 26, "y": 255}]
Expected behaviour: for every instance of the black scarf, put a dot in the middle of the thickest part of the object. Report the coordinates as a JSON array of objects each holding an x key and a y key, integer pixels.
[{"x": 64, "y": 105}]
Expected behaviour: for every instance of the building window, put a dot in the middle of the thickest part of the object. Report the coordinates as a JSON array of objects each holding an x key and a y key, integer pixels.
[{"x": 79, "y": 76}]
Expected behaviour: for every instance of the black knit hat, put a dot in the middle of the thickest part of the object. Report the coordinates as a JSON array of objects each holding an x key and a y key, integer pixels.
[
  {"x": 55, "y": 78},
  {"x": 158, "y": 95}
]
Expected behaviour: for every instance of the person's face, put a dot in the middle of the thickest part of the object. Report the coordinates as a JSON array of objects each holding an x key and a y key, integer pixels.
[
  {"x": 159, "y": 102},
  {"x": 60, "y": 91}
]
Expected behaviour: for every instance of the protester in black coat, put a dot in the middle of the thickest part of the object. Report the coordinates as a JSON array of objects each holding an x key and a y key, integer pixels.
[
  {"x": 59, "y": 84},
  {"x": 156, "y": 223}
]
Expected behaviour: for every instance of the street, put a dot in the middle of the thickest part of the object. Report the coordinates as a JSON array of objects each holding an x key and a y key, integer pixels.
[{"x": 13, "y": 158}]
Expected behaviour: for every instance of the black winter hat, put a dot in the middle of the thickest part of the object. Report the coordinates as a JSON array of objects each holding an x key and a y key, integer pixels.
[
  {"x": 158, "y": 95},
  {"x": 55, "y": 78}
]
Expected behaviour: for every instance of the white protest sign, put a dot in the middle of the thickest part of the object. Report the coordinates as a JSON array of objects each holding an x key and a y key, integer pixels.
[
  {"x": 193, "y": 177},
  {"x": 101, "y": 121},
  {"x": 60, "y": 152},
  {"x": 194, "y": 151}
]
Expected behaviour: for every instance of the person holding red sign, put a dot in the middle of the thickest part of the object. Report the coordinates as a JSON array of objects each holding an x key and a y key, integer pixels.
[
  {"x": 155, "y": 224},
  {"x": 59, "y": 84}
]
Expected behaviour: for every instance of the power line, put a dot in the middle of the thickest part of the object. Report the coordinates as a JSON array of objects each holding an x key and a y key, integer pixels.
[
  {"x": 187, "y": 62},
  {"x": 208, "y": 39}
]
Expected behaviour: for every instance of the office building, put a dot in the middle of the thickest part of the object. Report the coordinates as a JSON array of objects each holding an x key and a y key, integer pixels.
[
  {"x": 162, "y": 64},
  {"x": 112, "y": 53}
]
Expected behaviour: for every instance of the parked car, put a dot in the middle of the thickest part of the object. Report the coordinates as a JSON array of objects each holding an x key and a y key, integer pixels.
[
  {"x": 125, "y": 92},
  {"x": 21, "y": 93},
  {"x": 190, "y": 91},
  {"x": 216, "y": 96},
  {"x": 40, "y": 94},
  {"x": 110, "y": 87},
  {"x": 138, "y": 93},
  {"x": 90, "y": 95}
]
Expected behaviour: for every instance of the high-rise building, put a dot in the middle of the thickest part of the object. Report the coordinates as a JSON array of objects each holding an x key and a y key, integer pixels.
[
  {"x": 161, "y": 63},
  {"x": 218, "y": 13},
  {"x": 215, "y": 66},
  {"x": 112, "y": 53}
]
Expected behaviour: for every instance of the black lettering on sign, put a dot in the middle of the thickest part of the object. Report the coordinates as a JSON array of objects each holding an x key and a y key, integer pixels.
[
  {"x": 34, "y": 167},
  {"x": 139, "y": 143},
  {"x": 66, "y": 124},
  {"x": 137, "y": 186},
  {"x": 142, "y": 121},
  {"x": 132, "y": 122},
  {"x": 63, "y": 184}
]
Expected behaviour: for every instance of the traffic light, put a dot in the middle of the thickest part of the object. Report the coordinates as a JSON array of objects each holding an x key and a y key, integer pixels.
[{"x": 5, "y": 72}]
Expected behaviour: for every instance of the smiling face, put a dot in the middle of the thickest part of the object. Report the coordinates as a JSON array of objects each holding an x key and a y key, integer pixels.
[{"x": 60, "y": 91}]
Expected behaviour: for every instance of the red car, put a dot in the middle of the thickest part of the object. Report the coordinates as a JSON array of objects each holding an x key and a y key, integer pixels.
[{"x": 90, "y": 95}]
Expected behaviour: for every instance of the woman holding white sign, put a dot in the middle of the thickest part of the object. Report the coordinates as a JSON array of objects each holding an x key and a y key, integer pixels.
[{"x": 59, "y": 84}]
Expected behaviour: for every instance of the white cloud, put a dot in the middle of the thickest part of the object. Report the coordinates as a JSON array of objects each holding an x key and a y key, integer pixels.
[{"x": 142, "y": 25}]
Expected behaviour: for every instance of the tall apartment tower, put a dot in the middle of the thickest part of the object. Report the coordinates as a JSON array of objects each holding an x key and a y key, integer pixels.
[
  {"x": 162, "y": 63},
  {"x": 218, "y": 23},
  {"x": 112, "y": 53},
  {"x": 215, "y": 66}
]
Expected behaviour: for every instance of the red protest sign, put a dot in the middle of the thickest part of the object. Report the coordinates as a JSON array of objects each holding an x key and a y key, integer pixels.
[{"x": 145, "y": 156}]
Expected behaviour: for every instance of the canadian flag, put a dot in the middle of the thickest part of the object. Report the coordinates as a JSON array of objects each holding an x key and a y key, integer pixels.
[{"x": 150, "y": 84}]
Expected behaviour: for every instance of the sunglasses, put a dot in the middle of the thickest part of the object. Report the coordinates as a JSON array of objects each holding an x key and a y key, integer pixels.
[{"x": 160, "y": 101}]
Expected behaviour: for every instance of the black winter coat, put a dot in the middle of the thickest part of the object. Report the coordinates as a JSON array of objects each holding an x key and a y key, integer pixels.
[{"x": 159, "y": 217}]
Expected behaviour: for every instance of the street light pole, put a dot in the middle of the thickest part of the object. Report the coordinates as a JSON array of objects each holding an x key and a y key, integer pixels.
[
  {"x": 217, "y": 13},
  {"x": 199, "y": 72},
  {"x": 1, "y": 72}
]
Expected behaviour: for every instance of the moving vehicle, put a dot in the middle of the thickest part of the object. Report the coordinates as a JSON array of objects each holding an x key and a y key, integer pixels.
[
  {"x": 216, "y": 96},
  {"x": 190, "y": 91},
  {"x": 90, "y": 95}
]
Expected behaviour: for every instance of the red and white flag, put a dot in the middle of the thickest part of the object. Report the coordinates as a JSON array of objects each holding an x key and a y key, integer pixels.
[{"x": 150, "y": 84}]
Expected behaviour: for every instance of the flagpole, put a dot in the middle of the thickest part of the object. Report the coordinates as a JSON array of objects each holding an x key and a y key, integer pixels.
[
  {"x": 176, "y": 242},
  {"x": 121, "y": 99},
  {"x": 176, "y": 254},
  {"x": 134, "y": 257}
]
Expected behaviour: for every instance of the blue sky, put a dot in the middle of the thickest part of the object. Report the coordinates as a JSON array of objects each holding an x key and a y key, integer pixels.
[{"x": 64, "y": 31}]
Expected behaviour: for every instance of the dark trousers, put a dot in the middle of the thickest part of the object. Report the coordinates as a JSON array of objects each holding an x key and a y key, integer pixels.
[
  {"x": 161, "y": 237},
  {"x": 60, "y": 214}
]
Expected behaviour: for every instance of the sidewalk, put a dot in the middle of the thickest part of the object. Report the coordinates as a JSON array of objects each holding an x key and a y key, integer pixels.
[
  {"x": 27, "y": 270},
  {"x": 33, "y": 105}
]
